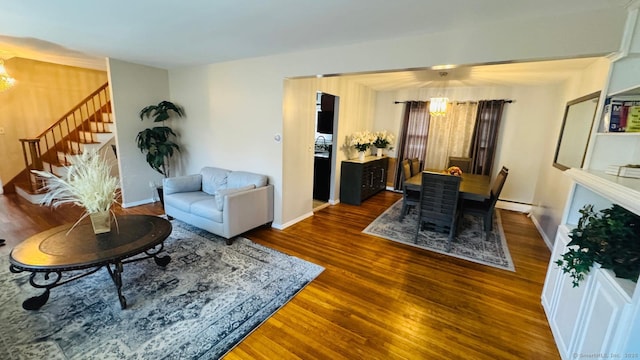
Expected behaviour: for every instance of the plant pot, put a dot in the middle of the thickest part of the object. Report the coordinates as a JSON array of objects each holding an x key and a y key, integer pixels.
[
  {"x": 101, "y": 222},
  {"x": 361, "y": 155},
  {"x": 379, "y": 152}
]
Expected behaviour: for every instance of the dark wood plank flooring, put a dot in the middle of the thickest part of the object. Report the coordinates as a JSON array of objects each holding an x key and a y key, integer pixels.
[{"x": 377, "y": 299}]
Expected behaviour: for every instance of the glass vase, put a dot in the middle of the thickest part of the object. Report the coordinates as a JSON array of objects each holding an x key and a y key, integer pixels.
[{"x": 101, "y": 222}]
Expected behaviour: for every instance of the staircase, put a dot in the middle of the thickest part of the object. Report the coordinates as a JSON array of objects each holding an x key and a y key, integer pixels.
[{"x": 87, "y": 126}]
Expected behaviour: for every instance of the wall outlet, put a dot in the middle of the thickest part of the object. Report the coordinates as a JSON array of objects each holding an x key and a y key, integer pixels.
[{"x": 1, "y": 131}]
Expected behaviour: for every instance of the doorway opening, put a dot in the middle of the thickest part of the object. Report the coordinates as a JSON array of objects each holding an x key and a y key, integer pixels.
[{"x": 324, "y": 154}]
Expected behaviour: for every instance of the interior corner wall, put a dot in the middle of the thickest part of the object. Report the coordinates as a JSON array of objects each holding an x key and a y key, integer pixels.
[
  {"x": 133, "y": 87},
  {"x": 238, "y": 105},
  {"x": 553, "y": 187},
  {"x": 43, "y": 93}
]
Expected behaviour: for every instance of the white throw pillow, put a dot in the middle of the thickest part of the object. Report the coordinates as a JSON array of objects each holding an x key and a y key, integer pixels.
[{"x": 220, "y": 194}]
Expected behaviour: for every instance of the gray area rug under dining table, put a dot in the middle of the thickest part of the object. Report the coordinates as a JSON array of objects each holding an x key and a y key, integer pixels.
[{"x": 470, "y": 243}]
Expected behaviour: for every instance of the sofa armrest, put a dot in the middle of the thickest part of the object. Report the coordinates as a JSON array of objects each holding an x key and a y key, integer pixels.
[
  {"x": 182, "y": 184},
  {"x": 246, "y": 210}
]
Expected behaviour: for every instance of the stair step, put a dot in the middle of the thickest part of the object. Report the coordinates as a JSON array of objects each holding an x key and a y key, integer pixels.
[
  {"x": 96, "y": 136},
  {"x": 24, "y": 190},
  {"x": 83, "y": 146},
  {"x": 59, "y": 169},
  {"x": 27, "y": 188},
  {"x": 105, "y": 126}
]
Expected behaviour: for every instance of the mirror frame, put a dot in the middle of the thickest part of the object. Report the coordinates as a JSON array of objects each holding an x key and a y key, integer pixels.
[{"x": 566, "y": 137}]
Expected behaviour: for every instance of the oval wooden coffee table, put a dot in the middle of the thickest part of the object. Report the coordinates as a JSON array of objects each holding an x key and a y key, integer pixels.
[{"x": 49, "y": 254}]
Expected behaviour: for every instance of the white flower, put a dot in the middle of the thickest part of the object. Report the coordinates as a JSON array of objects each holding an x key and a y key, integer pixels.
[
  {"x": 88, "y": 183},
  {"x": 361, "y": 140},
  {"x": 383, "y": 139}
]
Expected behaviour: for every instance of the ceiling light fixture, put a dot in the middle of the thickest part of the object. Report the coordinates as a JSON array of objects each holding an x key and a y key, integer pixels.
[
  {"x": 6, "y": 81},
  {"x": 438, "y": 105}
]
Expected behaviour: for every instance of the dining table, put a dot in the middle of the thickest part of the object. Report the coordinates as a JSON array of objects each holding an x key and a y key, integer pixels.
[{"x": 472, "y": 186}]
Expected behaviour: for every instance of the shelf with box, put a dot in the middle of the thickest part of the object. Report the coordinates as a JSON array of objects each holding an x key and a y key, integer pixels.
[
  {"x": 616, "y": 141},
  {"x": 621, "y": 114}
]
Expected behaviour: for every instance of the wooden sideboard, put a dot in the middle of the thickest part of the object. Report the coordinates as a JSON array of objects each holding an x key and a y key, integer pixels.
[{"x": 360, "y": 180}]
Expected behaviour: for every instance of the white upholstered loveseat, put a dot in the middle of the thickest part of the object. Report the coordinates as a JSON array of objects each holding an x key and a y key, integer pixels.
[{"x": 226, "y": 203}]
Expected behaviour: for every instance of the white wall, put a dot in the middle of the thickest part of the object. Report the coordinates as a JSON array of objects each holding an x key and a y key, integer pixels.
[
  {"x": 235, "y": 108},
  {"x": 553, "y": 187},
  {"x": 355, "y": 113},
  {"x": 133, "y": 87}
]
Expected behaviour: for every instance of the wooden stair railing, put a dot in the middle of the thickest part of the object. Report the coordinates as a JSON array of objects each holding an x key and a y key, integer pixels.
[{"x": 65, "y": 136}]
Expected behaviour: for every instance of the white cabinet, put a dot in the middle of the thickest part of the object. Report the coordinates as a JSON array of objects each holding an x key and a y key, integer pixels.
[
  {"x": 602, "y": 315},
  {"x": 588, "y": 319}
]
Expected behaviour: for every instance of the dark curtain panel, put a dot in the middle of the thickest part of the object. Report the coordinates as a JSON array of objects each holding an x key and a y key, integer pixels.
[
  {"x": 485, "y": 135},
  {"x": 412, "y": 142}
]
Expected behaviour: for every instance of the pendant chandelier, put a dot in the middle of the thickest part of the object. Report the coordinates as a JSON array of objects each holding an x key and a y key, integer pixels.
[
  {"x": 6, "y": 81},
  {"x": 438, "y": 105}
]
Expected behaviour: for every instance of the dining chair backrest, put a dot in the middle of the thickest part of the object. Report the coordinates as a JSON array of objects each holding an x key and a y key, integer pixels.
[
  {"x": 498, "y": 184},
  {"x": 406, "y": 169},
  {"x": 439, "y": 201},
  {"x": 464, "y": 163},
  {"x": 415, "y": 167}
]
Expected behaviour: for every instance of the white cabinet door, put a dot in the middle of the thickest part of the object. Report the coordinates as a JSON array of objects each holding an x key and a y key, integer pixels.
[
  {"x": 601, "y": 316},
  {"x": 565, "y": 303},
  {"x": 566, "y": 319},
  {"x": 549, "y": 291}
]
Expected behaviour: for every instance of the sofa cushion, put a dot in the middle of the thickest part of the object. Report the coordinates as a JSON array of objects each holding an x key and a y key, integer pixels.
[
  {"x": 207, "y": 209},
  {"x": 221, "y": 193},
  {"x": 182, "y": 184},
  {"x": 238, "y": 179},
  {"x": 183, "y": 201},
  {"x": 213, "y": 179}
]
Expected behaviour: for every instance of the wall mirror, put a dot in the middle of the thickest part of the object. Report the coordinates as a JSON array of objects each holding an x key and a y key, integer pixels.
[{"x": 576, "y": 130}]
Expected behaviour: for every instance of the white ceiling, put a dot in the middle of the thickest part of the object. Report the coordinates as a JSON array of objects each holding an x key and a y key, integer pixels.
[
  {"x": 177, "y": 33},
  {"x": 526, "y": 73}
]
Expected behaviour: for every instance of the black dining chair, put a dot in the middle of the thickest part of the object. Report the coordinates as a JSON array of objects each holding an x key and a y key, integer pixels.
[
  {"x": 485, "y": 209},
  {"x": 410, "y": 198},
  {"x": 438, "y": 209},
  {"x": 464, "y": 163},
  {"x": 415, "y": 166}
]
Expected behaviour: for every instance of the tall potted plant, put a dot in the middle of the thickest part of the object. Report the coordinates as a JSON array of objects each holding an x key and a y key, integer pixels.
[{"x": 156, "y": 142}]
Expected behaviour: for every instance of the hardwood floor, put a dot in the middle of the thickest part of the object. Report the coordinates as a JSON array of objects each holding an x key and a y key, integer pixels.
[{"x": 378, "y": 299}]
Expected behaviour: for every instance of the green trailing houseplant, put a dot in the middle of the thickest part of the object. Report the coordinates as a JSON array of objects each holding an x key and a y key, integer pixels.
[
  {"x": 610, "y": 238},
  {"x": 156, "y": 142}
]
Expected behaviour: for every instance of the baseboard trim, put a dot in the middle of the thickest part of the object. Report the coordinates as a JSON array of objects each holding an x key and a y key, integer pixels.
[
  {"x": 32, "y": 198},
  {"x": 513, "y": 206},
  {"x": 541, "y": 232},
  {"x": 138, "y": 203},
  {"x": 318, "y": 208},
  {"x": 289, "y": 223}
]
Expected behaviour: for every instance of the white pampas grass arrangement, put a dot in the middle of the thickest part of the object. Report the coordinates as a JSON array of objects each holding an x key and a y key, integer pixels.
[{"x": 88, "y": 183}]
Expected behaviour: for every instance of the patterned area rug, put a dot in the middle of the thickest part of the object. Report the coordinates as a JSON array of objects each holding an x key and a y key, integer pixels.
[
  {"x": 470, "y": 243},
  {"x": 209, "y": 298}
]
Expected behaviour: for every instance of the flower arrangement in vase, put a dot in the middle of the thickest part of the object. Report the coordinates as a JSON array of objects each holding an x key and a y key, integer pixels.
[
  {"x": 382, "y": 140},
  {"x": 361, "y": 140},
  {"x": 87, "y": 183},
  {"x": 454, "y": 170}
]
